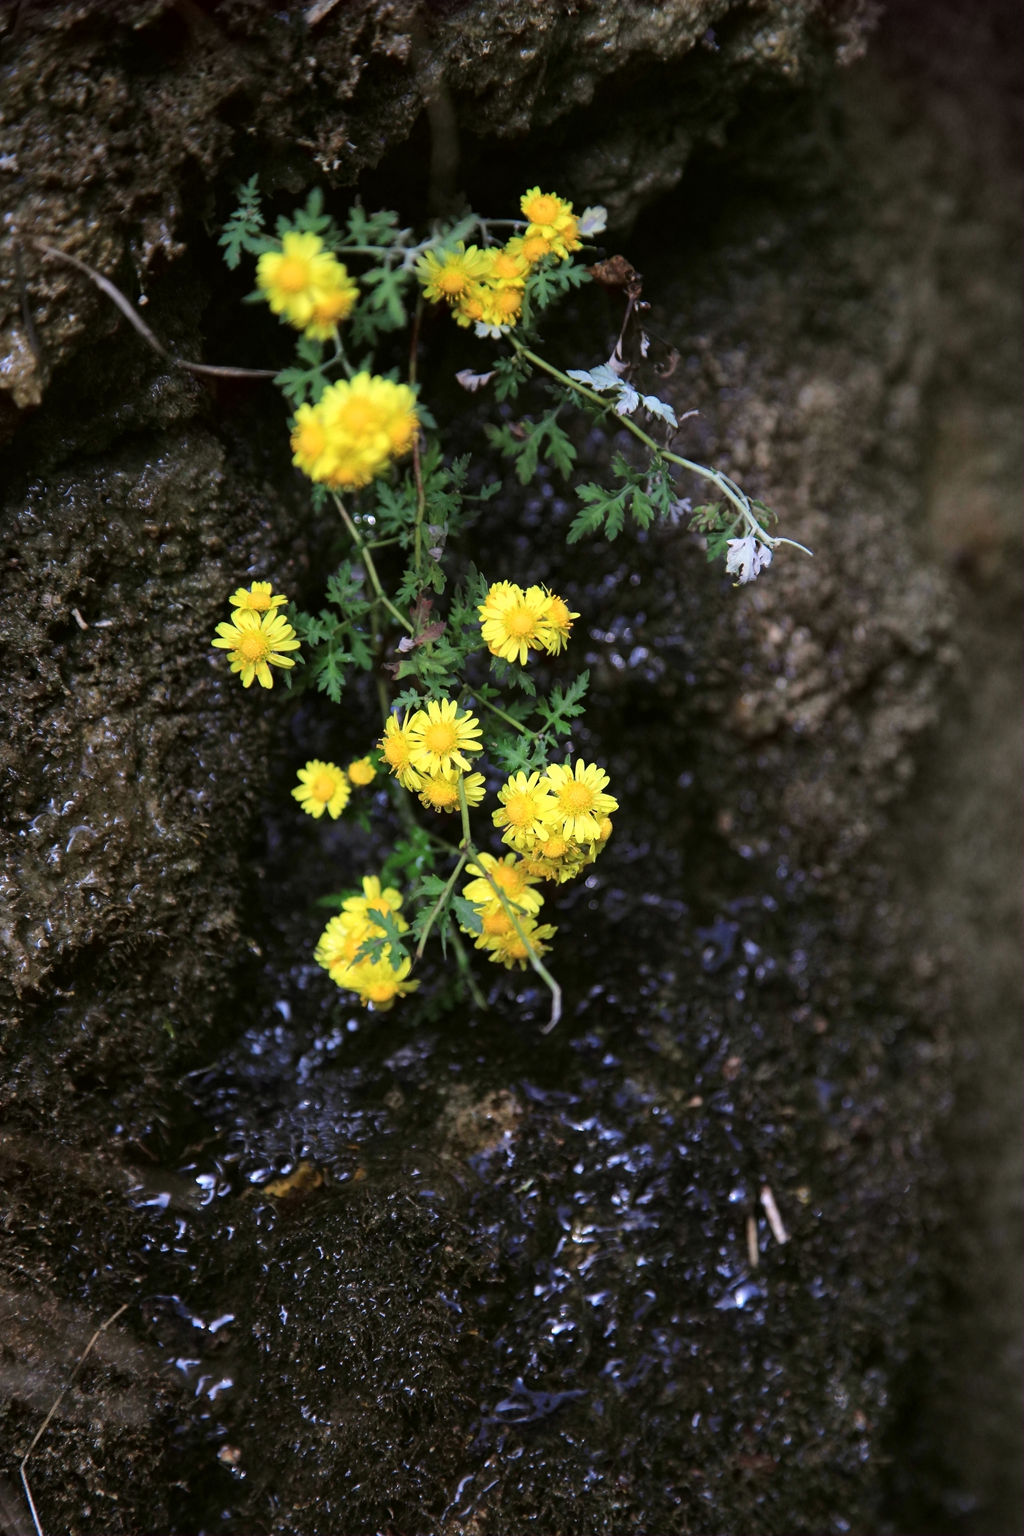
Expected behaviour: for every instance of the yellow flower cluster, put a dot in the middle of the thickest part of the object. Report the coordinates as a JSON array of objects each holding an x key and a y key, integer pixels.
[
  {"x": 354, "y": 431},
  {"x": 257, "y": 636},
  {"x": 485, "y": 287},
  {"x": 326, "y": 787},
  {"x": 514, "y": 622},
  {"x": 558, "y": 820},
  {"x": 426, "y": 752},
  {"x": 498, "y": 935},
  {"x": 374, "y": 981},
  {"x": 306, "y": 285}
]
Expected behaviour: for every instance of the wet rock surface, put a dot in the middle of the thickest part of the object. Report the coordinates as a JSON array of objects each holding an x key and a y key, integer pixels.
[{"x": 523, "y": 1280}]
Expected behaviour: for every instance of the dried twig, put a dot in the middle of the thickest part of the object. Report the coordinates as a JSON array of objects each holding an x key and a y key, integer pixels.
[
  {"x": 132, "y": 315},
  {"x": 53, "y": 1409}
]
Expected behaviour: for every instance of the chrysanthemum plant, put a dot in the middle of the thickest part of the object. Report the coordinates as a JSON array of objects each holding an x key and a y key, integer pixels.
[{"x": 476, "y": 711}]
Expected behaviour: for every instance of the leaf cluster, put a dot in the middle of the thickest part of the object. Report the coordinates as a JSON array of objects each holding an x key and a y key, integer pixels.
[
  {"x": 526, "y": 441},
  {"x": 642, "y": 493},
  {"x": 336, "y": 638}
]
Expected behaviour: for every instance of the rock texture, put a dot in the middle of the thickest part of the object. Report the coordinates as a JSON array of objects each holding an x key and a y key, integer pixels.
[{"x": 520, "y": 1284}]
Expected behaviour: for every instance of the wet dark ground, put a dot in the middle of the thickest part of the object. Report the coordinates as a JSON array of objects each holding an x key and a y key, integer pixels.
[{"x": 532, "y": 1282}]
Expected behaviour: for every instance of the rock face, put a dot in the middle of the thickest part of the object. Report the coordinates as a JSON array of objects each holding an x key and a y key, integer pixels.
[{"x": 662, "y": 1274}]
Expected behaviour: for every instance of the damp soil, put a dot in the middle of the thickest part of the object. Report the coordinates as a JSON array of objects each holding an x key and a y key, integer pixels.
[{"x": 721, "y": 1251}]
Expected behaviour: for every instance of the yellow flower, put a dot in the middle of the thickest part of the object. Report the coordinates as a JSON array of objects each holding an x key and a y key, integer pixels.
[
  {"x": 513, "y": 622},
  {"x": 512, "y": 878},
  {"x": 396, "y": 745},
  {"x": 309, "y": 442},
  {"x": 378, "y": 981},
  {"x": 450, "y": 274},
  {"x": 550, "y": 218},
  {"x": 374, "y": 899},
  {"x": 362, "y": 771},
  {"x": 580, "y": 799},
  {"x": 441, "y": 737},
  {"x": 509, "y": 949},
  {"x": 508, "y": 264},
  {"x": 535, "y": 246},
  {"x": 439, "y": 792},
  {"x": 256, "y": 598},
  {"x": 300, "y": 276},
  {"x": 322, "y": 787},
  {"x": 558, "y": 619},
  {"x": 255, "y": 642},
  {"x": 331, "y": 306},
  {"x": 527, "y": 808},
  {"x": 367, "y": 421}
]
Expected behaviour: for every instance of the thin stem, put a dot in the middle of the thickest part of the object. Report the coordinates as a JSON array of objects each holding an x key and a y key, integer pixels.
[
  {"x": 531, "y": 954},
  {"x": 439, "y": 903},
  {"x": 523, "y": 730},
  {"x": 370, "y": 568},
  {"x": 727, "y": 487},
  {"x": 466, "y": 969}
]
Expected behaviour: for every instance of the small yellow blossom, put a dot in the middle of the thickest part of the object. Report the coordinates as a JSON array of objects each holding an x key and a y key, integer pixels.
[
  {"x": 439, "y": 792},
  {"x": 514, "y": 622},
  {"x": 580, "y": 799},
  {"x": 354, "y": 431},
  {"x": 551, "y": 219},
  {"x": 256, "y": 598},
  {"x": 362, "y": 771},
  {"x": 396, "y": 744},
  {"x": 510, "y": 948},
  {"x": 512, "y": 878},
  {"x": 255, "y": 642},
  {"x": 322, "y": 787},
  {"x": 441, "y": 737},
  {"x": 527, "y": 807},
  {"x": 558, "y": 620},
  {"x": 302, "y": 282},
  {"x": 331, "y": 306},
  {"x": 375, "y": 981},
  {"x": 374, "y": 899},
  {"x": 451, "y": 273}
]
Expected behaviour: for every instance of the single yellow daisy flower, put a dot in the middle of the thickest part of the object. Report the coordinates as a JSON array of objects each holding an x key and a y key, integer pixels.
[
  {"x": 441, "y": 737},
  {"x": 439, "y": 792},
  {"x": 514, "y": 622},
  {"x": 527, "y": 807},
  {"x": 295, "y": 278},
  {"x": 580, "y": 799},
  {"x": 361, "y": 772},
  {"x": 257, "y": 598},
  {"x": 512, "y": 878},
  {"x": 558, "y": 620},
  {"x": 396, "y": 744},
  {"x": 374, "y": 899},
  {"x": 255, "y": 642},
  {"x": 379, "y": 982},
  {"x": 448, "y": 275},
  {"x": 331, "y": 306},
  {"x": 508, "y": 949},
  {"x": 322, "y": 787}
]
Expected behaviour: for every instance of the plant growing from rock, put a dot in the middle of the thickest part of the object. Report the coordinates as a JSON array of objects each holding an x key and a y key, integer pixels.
[{"x": 476, "y": 722}]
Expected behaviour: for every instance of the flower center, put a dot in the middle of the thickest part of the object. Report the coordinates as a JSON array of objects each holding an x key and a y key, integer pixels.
[
  {"x": 440, "y": 737},
  {"x": 451, "y": 281},
  {"x": 442, "y": 794},
  {"x": 520, "y": 622},
  {"x": 359, "y": 418},
  {"x": 507, "y": 877},
  {"x": 322, "y": 787},
  {"x": 519, "y": 810},
  {"x": 253, "y": 645},
  {"x": 292, "y": 274},
  {"x": 396, "y": 751},
  {"x": 576, "y": 798},
  {"x": 494, "y": 923}
]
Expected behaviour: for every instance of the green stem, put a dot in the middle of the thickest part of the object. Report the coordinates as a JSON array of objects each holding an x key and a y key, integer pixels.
[
  {"x": 439, "y": 903},
  {"x": 531, "y": 954},
  {"x": 721, "y": 481},
  {"x": 524, "y": 730},
  {"x": 370, "y": 568}
]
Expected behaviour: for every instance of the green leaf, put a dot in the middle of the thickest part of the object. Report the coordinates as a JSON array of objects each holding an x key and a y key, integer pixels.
[{"x": 243, "y": 230}]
